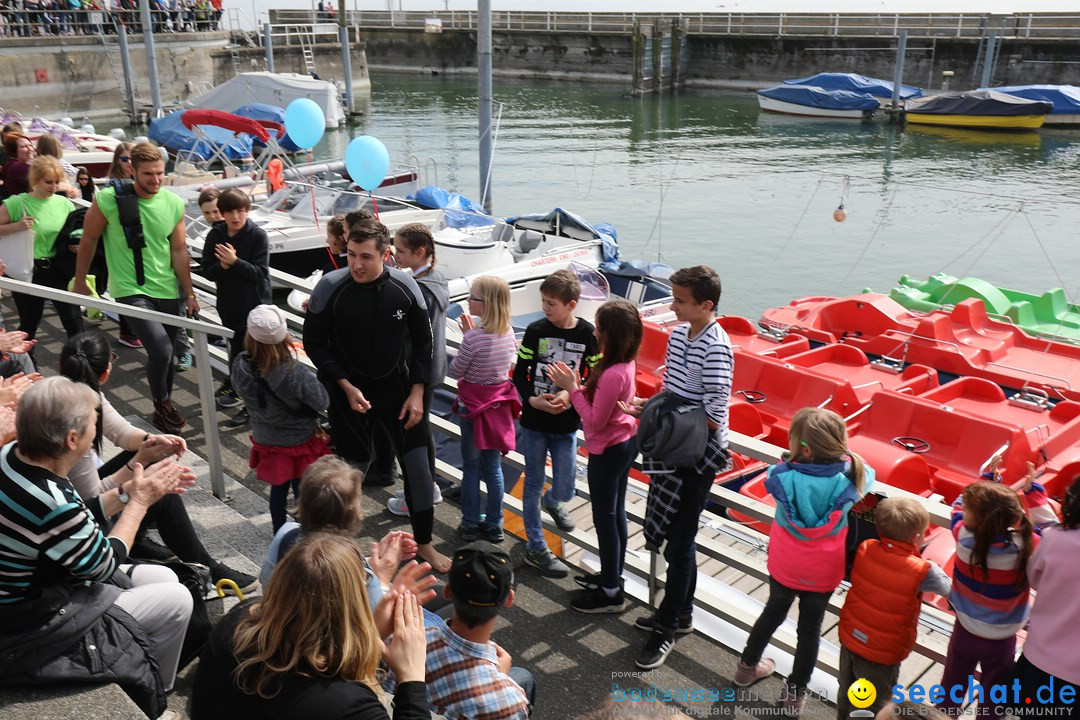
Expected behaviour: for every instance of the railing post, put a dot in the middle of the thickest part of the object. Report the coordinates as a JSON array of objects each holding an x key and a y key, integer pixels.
[
  {"x": 780, "y": 24},
  {"x": 959, "y": 26},
  {"x": 590, "y": 21},
  {"x": 896, "y": 25},
  {"x": 209, "y": 411}
]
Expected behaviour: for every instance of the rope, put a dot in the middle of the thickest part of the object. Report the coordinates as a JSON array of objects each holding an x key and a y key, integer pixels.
[
  {"x": 314, "y": 209},
  {"x": 884, "y": 213},
  {"x": 657, "y": 229}
]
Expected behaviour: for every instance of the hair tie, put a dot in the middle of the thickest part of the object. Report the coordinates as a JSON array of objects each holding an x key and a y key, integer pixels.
[{"x": 81, "y": 354}]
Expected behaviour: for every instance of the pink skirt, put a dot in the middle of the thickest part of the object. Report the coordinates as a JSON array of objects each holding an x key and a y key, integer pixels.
[{"x": 277, "y": 465}]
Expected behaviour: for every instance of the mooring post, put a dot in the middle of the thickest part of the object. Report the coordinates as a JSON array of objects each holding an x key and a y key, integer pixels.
[
  {"x": 483, "y": 66},
  {"x": 343, "y": 37},
  {"x": 151, "y": 57},
  {"x": 129, "y": 75},
  {"x": 898, "y": 74},
  {"x": 268, "y": 47}
]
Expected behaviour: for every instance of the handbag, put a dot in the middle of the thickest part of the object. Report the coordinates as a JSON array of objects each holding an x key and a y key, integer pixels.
[{"x": 17, "y": 250}]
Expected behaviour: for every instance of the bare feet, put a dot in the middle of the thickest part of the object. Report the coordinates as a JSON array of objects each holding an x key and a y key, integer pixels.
[{"x": 439, "y": 562}]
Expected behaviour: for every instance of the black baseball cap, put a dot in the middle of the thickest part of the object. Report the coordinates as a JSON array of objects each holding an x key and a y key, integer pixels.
[{"x": 481, "y": 575}]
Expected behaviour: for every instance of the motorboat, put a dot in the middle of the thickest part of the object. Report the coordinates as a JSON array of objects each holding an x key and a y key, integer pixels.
[
  {"x": 853, "y": 82},
  {"x": 988, "y": 109},
  {"x": 81, "y": 147},
  {"x": 1065, "y": 99},
  {"x": 276, "y": 89},
  {"x": 814, "y": 101}
]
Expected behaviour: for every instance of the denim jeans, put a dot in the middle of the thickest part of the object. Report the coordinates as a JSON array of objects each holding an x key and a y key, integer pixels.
[
  {"x": 607, "y": 489},
  {"x": 680, "y": 551},
  {"x": 476, "y": 464},
  {"x": 812, "y": 607},
  {"x": 525, "y": 679},
  {"x": 158, "y": 340},
  {"x": 563, "y": 447}
]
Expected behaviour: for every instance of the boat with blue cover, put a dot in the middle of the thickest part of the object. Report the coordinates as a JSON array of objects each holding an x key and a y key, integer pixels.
[
  {"x": 817, "y": 102},
  {"x": 853, "y": 82},
  {"x": 986, "y": 109},
  {"x": 1065, "y": 99}
]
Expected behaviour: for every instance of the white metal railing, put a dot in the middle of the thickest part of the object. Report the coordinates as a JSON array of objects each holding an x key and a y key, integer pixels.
[
  {"x": 933, "y": 25},
  {"x": 199, "y": 331}
]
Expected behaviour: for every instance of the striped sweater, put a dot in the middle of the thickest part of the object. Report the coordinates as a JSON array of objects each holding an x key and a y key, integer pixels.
[
  {"x": 994, "y": 605},
  {"x": 47, "y": 536},
  {"x": 701, "y": 369},
  {"x": 484, "y": 358}
]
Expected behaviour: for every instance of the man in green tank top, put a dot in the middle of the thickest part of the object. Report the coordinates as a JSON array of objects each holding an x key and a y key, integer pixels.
[{"x": 153, "y": 274}]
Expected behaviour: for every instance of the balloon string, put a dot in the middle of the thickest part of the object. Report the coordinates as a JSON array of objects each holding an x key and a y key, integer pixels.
[
  {"x": 373, "y": 204},
  {"x": 311, "y": 185},
  {"x": 333, "y": 259}
]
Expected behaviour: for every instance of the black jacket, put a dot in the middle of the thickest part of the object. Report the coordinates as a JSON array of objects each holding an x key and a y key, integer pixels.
[{"x": 245, "y": 284}]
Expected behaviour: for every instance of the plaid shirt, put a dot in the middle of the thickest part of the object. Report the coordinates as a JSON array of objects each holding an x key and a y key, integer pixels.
[{"x": 463, "y": 678}]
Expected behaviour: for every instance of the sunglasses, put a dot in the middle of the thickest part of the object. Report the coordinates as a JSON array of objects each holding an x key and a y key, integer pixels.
[{"x": 125, "y": 158}]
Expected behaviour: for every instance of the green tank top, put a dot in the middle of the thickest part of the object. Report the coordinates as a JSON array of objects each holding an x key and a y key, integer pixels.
[{"x": 160, "y": 215}]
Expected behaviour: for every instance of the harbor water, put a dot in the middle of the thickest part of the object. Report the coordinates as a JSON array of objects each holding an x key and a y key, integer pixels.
[{"x": 705, "y": 177}]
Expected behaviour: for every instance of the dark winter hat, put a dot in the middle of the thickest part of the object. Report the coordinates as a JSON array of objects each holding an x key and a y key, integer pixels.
[{"x": 481, "y": 575}]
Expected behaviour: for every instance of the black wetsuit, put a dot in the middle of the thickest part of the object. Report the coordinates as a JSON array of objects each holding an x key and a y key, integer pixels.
[{"x": 377, "y": 336}]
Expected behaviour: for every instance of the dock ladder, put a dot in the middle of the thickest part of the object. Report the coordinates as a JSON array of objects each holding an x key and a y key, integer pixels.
[
  {"x": 118, "y": 71},
  {"x": 308, "y": 53}
]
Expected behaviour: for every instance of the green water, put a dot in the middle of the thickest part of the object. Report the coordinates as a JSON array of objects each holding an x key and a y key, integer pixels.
[{"x": 704, "y": 177}]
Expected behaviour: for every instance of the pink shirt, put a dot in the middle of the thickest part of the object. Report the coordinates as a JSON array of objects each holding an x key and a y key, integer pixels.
[
  {"x": 604, "y": 423},
  {"x": 1053, "y": 630}
]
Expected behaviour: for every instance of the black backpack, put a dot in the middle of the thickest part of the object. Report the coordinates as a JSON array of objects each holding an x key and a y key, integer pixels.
[{"x": 70, "y": 234}]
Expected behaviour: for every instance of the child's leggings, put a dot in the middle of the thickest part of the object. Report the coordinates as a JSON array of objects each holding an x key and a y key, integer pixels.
[
  {"x": 279, "y": 496},
  {"x": 967, "y": 650},
  {"x": 812, "y": 607}
]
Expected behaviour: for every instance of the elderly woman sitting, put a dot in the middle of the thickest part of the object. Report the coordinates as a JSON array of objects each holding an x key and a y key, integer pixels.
[{"x": 60, "y": 595}]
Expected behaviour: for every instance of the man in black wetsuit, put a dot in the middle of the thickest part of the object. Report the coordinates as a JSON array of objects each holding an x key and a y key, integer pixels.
[{"x": 367, "y": 332}]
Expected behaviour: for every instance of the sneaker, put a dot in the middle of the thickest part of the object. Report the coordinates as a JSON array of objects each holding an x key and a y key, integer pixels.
[
  {"x": 561, "y": 517},
  {"x": 397, "y": 506},
  {"x": 166, "y": 417},
  {"x": 147, "y": 549},
  {"x": 220, "y": 342},
  {"x": 227, "y": 398},
  {"x": 185, "y": 362},
  {"x": 546, "y": 562},
  {"x": 746, "y": 675},
  {"x": 588, "y": 581},
  {"x": 656, "y": 650},
  {"x": 794, "y": 702},
  {"x": 646, "y": 623},
  {"x": 436, "y": 497},
  {"x": 469, "y": 534},
  {"x": 130, "y": 341},
  {"x": 594, "y": 602},
  {"x": 492, "y": 533},
  {"x": 246, "y": 583},
  {"x": 240, "y": 419}
]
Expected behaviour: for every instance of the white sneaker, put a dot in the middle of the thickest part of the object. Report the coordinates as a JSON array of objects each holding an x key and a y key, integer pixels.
[{"x": 397, "y": 505}]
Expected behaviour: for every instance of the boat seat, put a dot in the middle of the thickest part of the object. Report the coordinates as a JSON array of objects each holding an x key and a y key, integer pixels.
[
  {"x": 503, "y": 233},
  {"x": 529, "y": 240}
]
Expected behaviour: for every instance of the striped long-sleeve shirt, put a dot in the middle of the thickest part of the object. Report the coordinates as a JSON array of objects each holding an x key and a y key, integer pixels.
[
  {"x": 47, "y": 535},
  {"x": 994, "y": 604},
  {"x": 484, "y": 358},
  {"x": 701, "y": 370}
]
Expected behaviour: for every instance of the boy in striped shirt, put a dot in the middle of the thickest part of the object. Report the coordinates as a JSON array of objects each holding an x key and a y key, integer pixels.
[{"x": 699, "y": 366}]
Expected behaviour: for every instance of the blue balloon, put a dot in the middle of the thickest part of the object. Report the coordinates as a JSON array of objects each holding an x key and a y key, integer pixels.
[
  {"x": 304, "y": 122},
  {"x": 367, "y": 161}
]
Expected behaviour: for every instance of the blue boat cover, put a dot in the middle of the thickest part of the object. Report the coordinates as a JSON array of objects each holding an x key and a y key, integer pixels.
[
  {"x": 460, "y": 210},
  {"x": 565, "y": 218},
  {"x": 1066, "y": 98},
  {"x": 815, "y": 97},
  {"x": 639, "y": 268},
  {"x": 262, "y": 111},
  {"x": 987, "y": 103},
  {"x": 170, "y": 132},
  {"x": 856, "y": 83}
]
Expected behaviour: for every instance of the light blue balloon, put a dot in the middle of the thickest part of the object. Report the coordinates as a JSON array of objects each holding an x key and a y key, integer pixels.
[
  {"x": 367, "y": 160},
  {"x": 305, "y": 122}
]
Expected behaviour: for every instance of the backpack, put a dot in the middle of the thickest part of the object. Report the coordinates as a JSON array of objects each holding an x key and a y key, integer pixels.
[
  {"x": 127, "y": 207},
  {"x": 70, "y": 234}
]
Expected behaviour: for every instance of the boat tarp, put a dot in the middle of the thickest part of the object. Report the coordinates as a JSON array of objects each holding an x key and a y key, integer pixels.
[
  {"x": 815, "y": 97},
  {"x": 262, "y": 111},
  {"x": 275, "y": 89},
  {"x": 170, "y": 132},
  {"x": 564, "y": 218},
  {"x": 978, "y": 102},
  {"x": 639, "y": 268},
  {"x": 460, "y": 210},
  {"x": 853, "y": 82},
  {"x": 1066, "y": 98}
]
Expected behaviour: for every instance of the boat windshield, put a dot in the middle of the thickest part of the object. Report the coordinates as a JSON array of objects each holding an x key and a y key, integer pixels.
[
  {"x": 594, "y": 286},
  {"x": 305, "y": 201}
]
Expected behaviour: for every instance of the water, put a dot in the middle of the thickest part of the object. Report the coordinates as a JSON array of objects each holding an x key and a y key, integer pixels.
[{"x": 704, "y": 177}]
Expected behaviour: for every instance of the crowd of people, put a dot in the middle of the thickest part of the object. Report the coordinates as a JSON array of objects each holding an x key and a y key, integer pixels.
[
  {"x": 26, "y": 18},
  {"x": 339, "y": 632}
]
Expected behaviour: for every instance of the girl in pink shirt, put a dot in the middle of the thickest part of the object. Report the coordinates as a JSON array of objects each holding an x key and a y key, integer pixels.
[{"x": 609, "y": 438}]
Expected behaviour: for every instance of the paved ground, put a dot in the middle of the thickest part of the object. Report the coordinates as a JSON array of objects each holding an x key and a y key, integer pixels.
[{"x": 580, "y": 661}]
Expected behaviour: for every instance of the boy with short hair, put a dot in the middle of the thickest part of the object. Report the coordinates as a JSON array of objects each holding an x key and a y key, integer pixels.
[
  {"x": 549, "y": 423},
  {"x": 698, "y": 368},
  {"x": 880, "y": 617},
  {"x": 236, "y": 256},
  {"x": 208, "y": 207}
]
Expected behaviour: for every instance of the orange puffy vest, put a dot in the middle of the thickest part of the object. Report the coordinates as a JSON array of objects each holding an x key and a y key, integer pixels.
[{"x": 880, "y": 617}]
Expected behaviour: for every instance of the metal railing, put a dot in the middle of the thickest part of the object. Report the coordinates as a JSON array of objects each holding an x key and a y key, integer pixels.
[
  {"x": 1035, "y": 26},
  {"x": 199, "y": 331}
]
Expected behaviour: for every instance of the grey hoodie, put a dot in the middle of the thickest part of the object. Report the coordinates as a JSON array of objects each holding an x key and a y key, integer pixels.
[
  {"x": 437, "y": 296},
  {"x": 286, "y": 420}
]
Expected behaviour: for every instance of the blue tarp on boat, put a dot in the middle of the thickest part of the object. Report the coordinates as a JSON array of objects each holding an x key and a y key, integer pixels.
[
  {"x": 1066, "y": 98},
  {"x": 170, "y": 132},
  {"x": 854, "y": 82},
  {"x": 470, "y": 215},
  {"x": 559, "y": 218},
  {"x": 815, "y": 97},
  {"x": 262, "y": 111}
]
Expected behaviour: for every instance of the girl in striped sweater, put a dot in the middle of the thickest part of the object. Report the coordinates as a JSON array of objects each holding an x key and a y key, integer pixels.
[
  {"x": 990, "y": 591},
  {"x": 487, "y": 404}
]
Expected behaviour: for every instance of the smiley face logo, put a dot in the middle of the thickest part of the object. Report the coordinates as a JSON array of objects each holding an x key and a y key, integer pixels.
[{"x": 862, "y": 693}]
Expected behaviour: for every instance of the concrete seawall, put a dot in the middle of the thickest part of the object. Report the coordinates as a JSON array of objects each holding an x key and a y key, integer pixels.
[{"x": 73, "y": 75}]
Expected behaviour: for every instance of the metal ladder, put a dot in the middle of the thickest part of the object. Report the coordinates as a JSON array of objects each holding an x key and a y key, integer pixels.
[
  {"x": 234, "y": 52},
  {"x": 118, "y": 71},
  {"x": 309, "y": 55}
]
